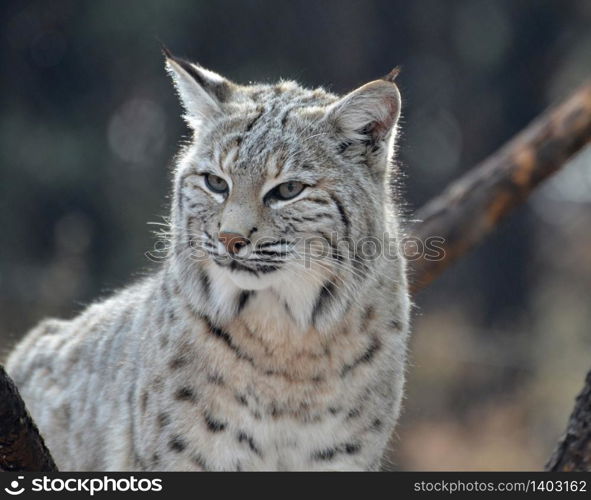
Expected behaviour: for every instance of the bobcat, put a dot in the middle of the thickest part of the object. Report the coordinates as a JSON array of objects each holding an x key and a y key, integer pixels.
[{"x": 269, "y": 338}]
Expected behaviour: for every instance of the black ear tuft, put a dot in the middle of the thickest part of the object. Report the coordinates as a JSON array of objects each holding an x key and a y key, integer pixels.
[
  {"x": 391, "y": 76},
  {"x": 165, "y": 51},
  {"x": 202, "y": 91},
  {"x": 191, "y": 69}
]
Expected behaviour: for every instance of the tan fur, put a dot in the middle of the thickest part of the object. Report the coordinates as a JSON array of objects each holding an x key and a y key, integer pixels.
[{"x": 266, "y": 359}]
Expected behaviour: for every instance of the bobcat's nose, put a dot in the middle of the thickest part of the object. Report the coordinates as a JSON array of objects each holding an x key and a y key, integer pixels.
[{"x": 232, "y": 241}]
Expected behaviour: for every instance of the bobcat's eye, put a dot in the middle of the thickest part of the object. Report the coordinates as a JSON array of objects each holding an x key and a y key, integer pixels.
[
  {"x": 216, "y": 184},
  {"x": 287, "y": 190}
]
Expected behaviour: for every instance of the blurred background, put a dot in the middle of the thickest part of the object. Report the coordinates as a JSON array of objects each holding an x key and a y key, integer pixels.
[{"x": 89, "y": 125}]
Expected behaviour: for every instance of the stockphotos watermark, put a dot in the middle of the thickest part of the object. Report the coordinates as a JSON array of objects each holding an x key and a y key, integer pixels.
[
  {"x": 85, "y": 485},
  {"x": 325, "y": 247}
]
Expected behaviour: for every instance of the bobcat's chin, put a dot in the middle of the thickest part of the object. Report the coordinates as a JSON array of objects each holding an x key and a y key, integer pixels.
[{"x": 247, "y": 278}]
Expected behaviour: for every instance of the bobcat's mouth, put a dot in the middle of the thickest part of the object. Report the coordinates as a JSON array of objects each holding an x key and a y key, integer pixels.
[
  {"x": 258, "y": 263},
  {"x": 247, "y": 275},
  {"x": 240, "y": 265}
]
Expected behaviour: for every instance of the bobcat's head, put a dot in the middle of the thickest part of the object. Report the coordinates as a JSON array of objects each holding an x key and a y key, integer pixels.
[{"x": 275, "y": 178}]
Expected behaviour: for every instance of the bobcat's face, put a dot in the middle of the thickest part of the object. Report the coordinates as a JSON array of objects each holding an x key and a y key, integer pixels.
[
  {"x": 277, "y": 176},
  {"x": 259, "y": 206}
]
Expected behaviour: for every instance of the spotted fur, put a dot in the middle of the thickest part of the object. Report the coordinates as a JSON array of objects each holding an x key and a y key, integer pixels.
[{"x": 265, "y": 360}]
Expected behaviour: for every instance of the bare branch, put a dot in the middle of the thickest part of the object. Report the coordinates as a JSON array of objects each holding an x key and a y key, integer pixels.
[
  {"x": 472, "y": 206},
  {"x": 21, "y": 446},
  {"x": 573, "y": 453}
]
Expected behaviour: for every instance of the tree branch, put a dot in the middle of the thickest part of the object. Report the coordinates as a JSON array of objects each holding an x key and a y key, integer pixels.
[
  {"x": 472, "y": 206},
  {"x": 573, "y": 453},
  {"x": 21, "y": 446}
]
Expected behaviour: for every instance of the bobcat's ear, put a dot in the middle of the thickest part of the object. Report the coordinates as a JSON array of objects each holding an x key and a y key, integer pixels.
[
  {"x": 370, "y": 112},
  {"x": 202, "y": 92}
]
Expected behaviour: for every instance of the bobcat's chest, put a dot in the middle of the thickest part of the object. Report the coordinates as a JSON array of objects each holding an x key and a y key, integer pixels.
[{"x": 257, "y": 394}]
